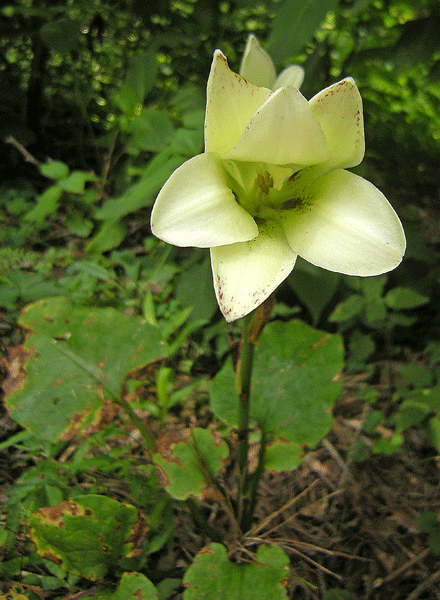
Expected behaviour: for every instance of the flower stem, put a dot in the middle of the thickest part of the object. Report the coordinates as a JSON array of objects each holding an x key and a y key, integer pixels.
[
  {"x": 253, "y": 486},
  {"x": 243, "y": 384},
  {"x": 253, "y": 325}
]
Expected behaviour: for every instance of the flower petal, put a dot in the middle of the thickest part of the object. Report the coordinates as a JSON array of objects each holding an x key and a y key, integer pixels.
[
  {"x": 345, "y": 224},
  {"x": 246, "y": 274},
  {"x": 231, "y": 102},
  {"x": 195, "y": 207},
  {"x": 293, "y": 76},
  {"x": 256, "y": 64},
  {"x": 282, "y": 131},
  {"x": 338, "y": 108}
]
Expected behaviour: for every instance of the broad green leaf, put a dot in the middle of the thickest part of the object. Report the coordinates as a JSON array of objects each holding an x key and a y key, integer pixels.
[
  {"x": 166, "y": 587},
  {"x": 126, "y": 100},
  {"x": 375, "y": 311},
  {"x": 388, "y": 446},
  {"x": 427, "y": 521},
  {"x": 417, "y": 375},
  {"x": 294, "y": 25},
  {"x": 23, "y": 287},
  {"x": 187, "y": 142},
  {"x": 434, "y": 541},
  {"x": 213, "y": 576},
  {"x": 62, "y": 35},
  {"x": 87, "y": 535},
  {"x": 296, "y": 378},
  {"x": 78, "y": 224},
  {"x": 92, "y": 269},
  {"x": 75, "y": 360},
  {"x": 372, "y": 420},
  {"x": 133, "y": 586},
  {"x": 55, "y": 169},
  {"x": 188, "y": 463},
  {"x": 140, "y": 78},
  {"x": 433, "y": 432},
  {"x": 402, "y": 298},
  {"x": 417, "y": 45},
  {"x": 361, "y": 347},
  {"x": 410, "y": 414},
  {"x": 372, "y": 287}
]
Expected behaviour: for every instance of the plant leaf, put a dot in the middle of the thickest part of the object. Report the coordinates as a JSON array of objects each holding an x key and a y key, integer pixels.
[
  {"x": 296, "y": 378},
  {"x": 73, "y": 365},
  {"x": 188, "y": 464},
  {"x": 212, "y": 575},
  {"x": 88, "y": 534}
]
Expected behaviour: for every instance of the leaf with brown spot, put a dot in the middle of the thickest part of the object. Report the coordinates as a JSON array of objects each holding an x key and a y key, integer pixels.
[
  {"x": 64, "y": 378},
  {"x": 133, "y": 586},
  {"x": 189, "y": 465},
  {"x": 87, "y": 535},
  {"x": 14, "y": 364}
]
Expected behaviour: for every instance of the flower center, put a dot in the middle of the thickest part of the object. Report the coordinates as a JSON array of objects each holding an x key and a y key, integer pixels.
[{"x": 265, "y": 190}]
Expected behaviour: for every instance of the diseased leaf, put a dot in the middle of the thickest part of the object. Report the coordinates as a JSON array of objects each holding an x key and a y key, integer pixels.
[
  {"x": 74, "y": 363},
  {"x": 87, "y": 535},
  {"x": 133, "y": 586},
  {"x": 189, "y": 462}
]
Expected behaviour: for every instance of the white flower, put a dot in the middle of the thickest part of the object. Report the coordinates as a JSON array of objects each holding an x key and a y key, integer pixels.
[
  {"x": 258, "y": 68},
  {"x": 271, "y": 186}
]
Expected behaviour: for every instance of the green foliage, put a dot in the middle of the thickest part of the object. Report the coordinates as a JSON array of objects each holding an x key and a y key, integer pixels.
[
  {"x": 296, "y": 378},
  {"x": 21, "y": 287},
  {"x": 213, "y": 575},
  {"x": 193, "y": 463},
  {"x": 428, "y": 523},
  {"x": 131, "y": 587},
  {"x": 315, "y": 287},
  {"x": 294, "y": 26},
  {"x": 87, "y": 535},
  {"x": 79, "y": 353}
]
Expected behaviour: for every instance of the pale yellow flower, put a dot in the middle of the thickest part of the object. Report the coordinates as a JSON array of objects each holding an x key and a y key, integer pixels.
[{"x": 271, "y": 186}]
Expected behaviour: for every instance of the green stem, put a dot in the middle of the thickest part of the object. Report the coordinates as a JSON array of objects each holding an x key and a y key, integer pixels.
[
  {"x": 243, "y": 384},
  {"x": 253, "y": 486}
]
